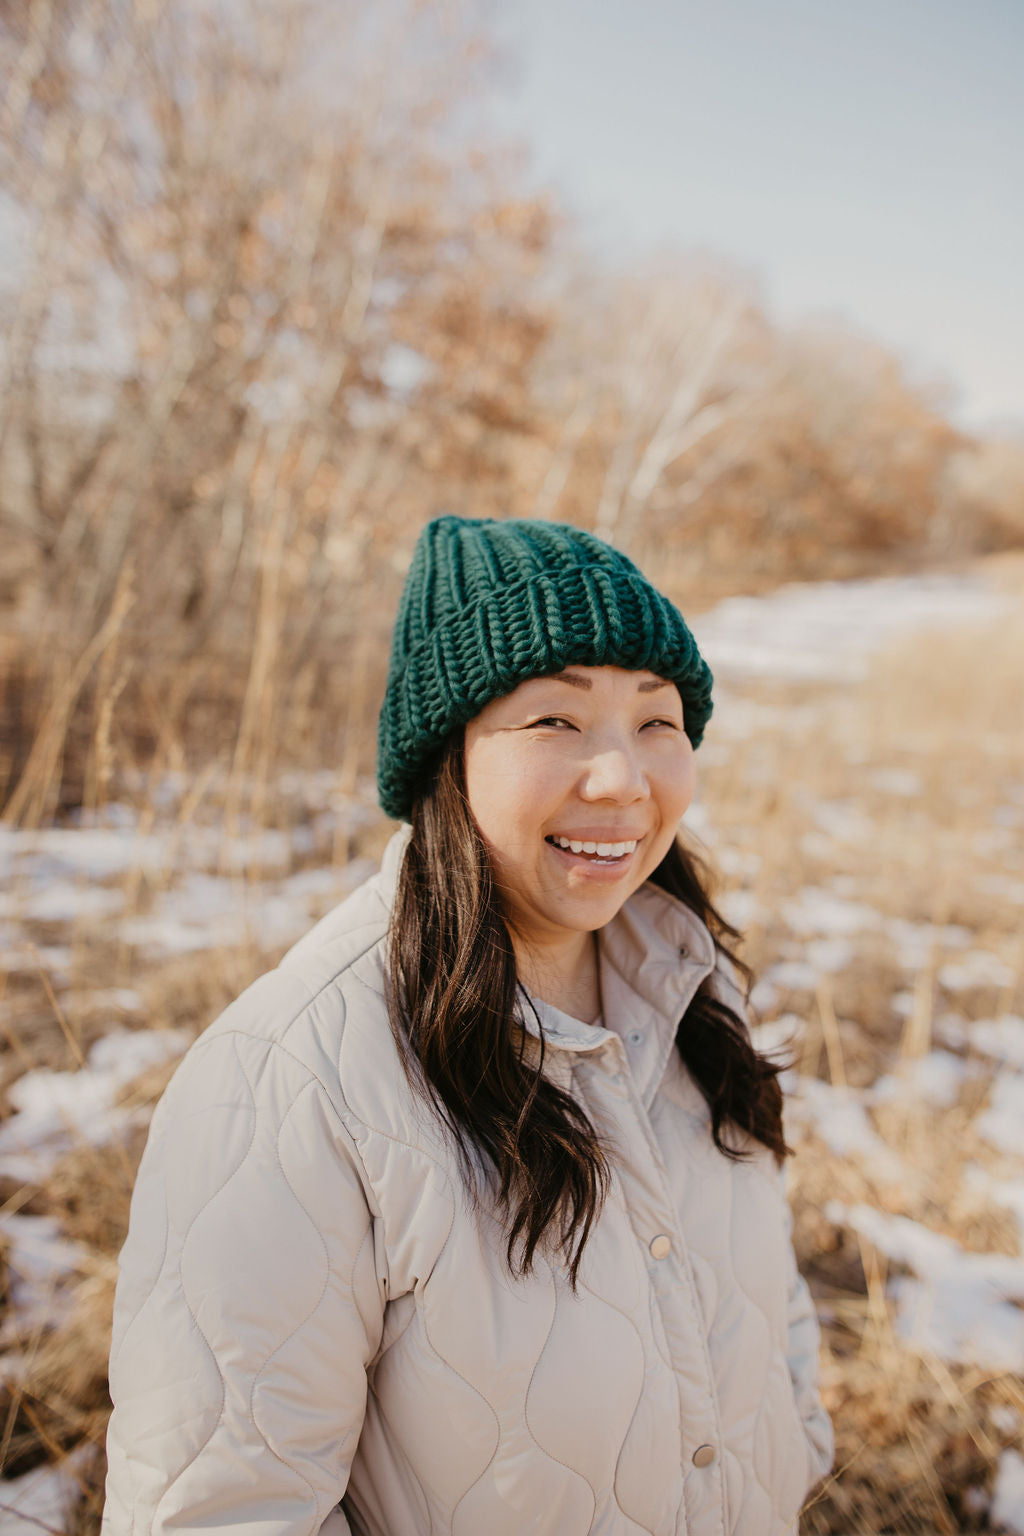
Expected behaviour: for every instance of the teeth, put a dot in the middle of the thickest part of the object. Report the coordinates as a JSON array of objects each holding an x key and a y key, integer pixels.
[{"x": 603, "y": 850}]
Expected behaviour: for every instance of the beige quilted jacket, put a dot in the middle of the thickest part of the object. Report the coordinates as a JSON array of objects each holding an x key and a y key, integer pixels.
[{"x": 316, "y": 1331}]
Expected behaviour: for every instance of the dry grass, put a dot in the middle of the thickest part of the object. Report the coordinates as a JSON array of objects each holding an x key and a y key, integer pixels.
[{"x": 915, "y": 1436}]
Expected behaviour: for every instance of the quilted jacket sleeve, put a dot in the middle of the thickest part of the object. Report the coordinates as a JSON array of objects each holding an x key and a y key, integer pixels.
[
  {"x": 248, "y": 1305},
  {"x": 802, "y": 1358}
]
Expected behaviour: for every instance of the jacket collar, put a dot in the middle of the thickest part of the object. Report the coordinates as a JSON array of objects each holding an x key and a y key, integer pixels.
[{"x": 652, "y": 956}]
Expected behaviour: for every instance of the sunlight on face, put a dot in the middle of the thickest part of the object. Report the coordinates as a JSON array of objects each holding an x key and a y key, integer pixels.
[{"x": 577, "y": 783}]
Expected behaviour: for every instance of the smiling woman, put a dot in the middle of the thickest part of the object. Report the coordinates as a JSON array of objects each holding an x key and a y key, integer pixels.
[
  {"x": 468, "y": 1217},
  {"x": 577, "y": 783}
]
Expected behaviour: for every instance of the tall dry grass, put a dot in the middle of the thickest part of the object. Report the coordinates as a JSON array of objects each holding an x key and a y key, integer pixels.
[{"x": 916, "y": 1438}]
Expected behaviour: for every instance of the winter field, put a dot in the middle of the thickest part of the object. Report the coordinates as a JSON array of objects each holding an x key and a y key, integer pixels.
[{"x": 861, "y": 794}]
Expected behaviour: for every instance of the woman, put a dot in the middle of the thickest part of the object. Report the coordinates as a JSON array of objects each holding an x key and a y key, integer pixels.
[{"x": 468, "y": 1217}]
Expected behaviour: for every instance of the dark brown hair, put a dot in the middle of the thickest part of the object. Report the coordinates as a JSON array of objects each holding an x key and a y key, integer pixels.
[{"x": 453, "y": 998}]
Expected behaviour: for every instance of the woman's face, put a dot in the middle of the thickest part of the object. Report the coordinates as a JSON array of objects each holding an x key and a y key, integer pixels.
[{"x": 577, "y": 783}]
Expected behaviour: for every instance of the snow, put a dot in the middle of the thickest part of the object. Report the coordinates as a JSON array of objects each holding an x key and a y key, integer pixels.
[
  {"x": 1002, "y": 1123},
  {"x": 18, "y": 955},
  {"x": 963, "y": 1307},
  {"x": 740, "y": 862},
  {"x": 1005, "y": 1192},
  {"x": 1005, "y": 1418},
  {"x": 819, "y": 911},
  {"x": 916, "y": 943},
  {"x": 843, "y": 820},
  {"x": 698, "y": 821},
  {"x": 829, "y": 955},
  {"x": 998, "y": 884},
  {"x": 61, "y": 902},
  {"x": 739, "y": 907},
  {"x": 37, "y": 1258},
  {"x": 43, "y": 1499},
  {"x": 54, "y": 1109},
  {"x": 796, "y": 975},
  {"x": 934, "y": 1079},
  {"x": 56, "y": 875},
  {"x": 116, "y": 1000},
  {"x": 781, "y": 1036},
  {"x": 977, "y": 968},
  {"x": 1007, "y": 1512},
  {"x": 827, "y": 631},
  {"x": 1002, "y": 1038},
  {"x": 896, "y": 781},
  {"x": 97, "y": 853},
  {"x": 212, "y": 911},
  {"x": 839, "y": 1117}
]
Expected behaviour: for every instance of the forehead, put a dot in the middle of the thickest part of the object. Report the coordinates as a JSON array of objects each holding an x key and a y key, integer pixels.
[{"x": 586, "y": 679}]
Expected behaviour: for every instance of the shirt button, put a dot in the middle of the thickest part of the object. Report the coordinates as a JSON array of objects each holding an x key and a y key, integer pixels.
[
  {"x": 704, "y": 1455},
  {"x": 683, "y": 950},
  {"x": 660, "y": 1246},
  {"x": 635, "y": 1036}
]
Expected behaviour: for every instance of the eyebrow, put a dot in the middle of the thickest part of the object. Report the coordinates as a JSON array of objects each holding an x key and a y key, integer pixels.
[{"x": 577, "y": 681}]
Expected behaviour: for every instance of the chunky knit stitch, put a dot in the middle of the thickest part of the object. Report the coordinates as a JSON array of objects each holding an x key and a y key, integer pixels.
[{"x": 488, "y": 604}]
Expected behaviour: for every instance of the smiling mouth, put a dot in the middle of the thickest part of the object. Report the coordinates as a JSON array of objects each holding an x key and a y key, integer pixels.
[{"x": 597, "y": 853}]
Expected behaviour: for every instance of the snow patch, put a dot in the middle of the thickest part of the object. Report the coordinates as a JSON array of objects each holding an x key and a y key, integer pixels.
[
  {"x": 963, "y": 1307},
  {"x": 978, "y": 968},
  {"x": 37, "y": 1259},
  {"x": 1002, "y": 1124},
  {"x": 1007, "y": 1512},
  {"x": 840, "y": 1118},
  {"x": 56, "y": 1109},
  {"x": 43, "y": 1499},
  {"x": 828, "y": 630},
  {"x": 934, "y": 1079},
  {"x": 819, "y": 911}
]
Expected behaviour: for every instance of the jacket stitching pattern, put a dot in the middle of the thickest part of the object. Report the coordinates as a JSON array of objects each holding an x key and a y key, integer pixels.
[
  {"x": 636, "y": 1408},
  {"x": 191, "y": 1310},
  {"x": 129, "y": 1325},
  {"x": 378, "y": 1359},
  {"x": 456, "y": 1372},
  {"x": 526, "y": 1399},
  {"x": 258, "y": 1375}
]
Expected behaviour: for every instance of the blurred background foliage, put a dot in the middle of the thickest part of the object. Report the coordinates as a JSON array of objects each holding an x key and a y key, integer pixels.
[{"x": 277, "y": 296}]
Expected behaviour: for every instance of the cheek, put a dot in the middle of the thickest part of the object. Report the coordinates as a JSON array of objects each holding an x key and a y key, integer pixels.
[
  {"x": 504, "y": 796},
  {"x": 677, "y": 786}
]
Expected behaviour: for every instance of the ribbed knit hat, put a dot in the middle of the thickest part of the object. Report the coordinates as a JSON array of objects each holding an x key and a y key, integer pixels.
[{"x": 488, "y": 604}]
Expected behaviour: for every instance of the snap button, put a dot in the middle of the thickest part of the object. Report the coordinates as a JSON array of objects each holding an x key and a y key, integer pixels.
[
  {"x": 704, "y": 1455},
  {"x": 635, "y": 1036},
  {"x": 660, "y": 1246},
  {"x": 683, "y": 950}
]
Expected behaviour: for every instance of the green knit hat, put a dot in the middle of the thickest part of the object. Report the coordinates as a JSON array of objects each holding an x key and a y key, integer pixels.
[{"x": 488, "y": 604}]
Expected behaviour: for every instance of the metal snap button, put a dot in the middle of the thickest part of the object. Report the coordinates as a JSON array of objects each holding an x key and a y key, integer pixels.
[
  {"x": 660, "y": 1246},
  {"x": 704, "y": 1455},
  {"x": 635, "y": 1036},
  {"x": 683, "y": 950}
]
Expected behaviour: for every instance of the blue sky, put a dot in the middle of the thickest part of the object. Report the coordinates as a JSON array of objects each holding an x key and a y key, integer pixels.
[{"x": 863, "y": 159}]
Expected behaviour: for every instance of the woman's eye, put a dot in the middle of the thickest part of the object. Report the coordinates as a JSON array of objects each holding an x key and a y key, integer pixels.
[
  {"x": 671, "y": 724},
  {"x": 552, "y": 720}
]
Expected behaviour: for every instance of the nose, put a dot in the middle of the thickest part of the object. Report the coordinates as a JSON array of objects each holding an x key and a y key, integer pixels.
[{"x": 614, "y": 772}]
